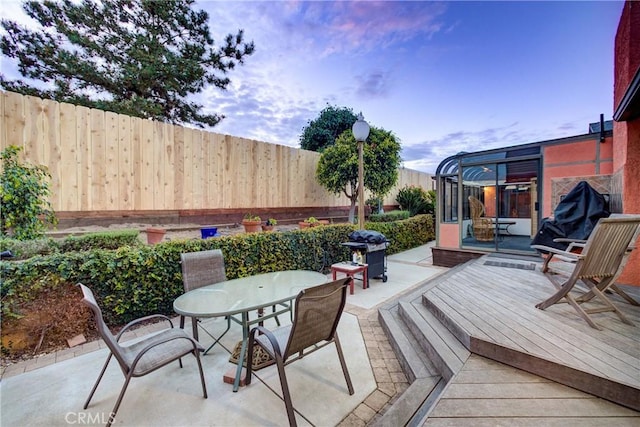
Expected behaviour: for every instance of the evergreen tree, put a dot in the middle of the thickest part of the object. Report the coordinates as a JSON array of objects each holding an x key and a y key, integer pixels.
[
  {"x": 323, "y": 131},
  {"x": 142, "y": 58}
]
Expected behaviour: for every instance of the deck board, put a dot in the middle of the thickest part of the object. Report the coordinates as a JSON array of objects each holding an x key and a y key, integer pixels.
[
  {"x": 495, "y": 306},
  {"x": 489, "y": 393}
]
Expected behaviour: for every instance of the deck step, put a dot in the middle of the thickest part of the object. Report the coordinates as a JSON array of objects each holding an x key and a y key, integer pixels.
[
  {"x": 410, "y": 408},
  {"x": 427, "y": 352},
  {"x": 444, "y": 351},
  {"x": 414, "y": 364}
]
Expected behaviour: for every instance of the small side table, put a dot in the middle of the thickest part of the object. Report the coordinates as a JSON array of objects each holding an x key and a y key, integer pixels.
[{"x": 350, "y": 270}]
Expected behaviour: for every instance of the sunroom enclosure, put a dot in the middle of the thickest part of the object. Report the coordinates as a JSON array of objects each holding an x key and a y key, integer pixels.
[{"x": 491, "y": 197}]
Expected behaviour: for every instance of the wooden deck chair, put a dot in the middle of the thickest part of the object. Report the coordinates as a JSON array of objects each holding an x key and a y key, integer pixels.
[
  {"x": 598, "y": 264},
  {"x": 317, "y": 313},
  {"x": 483, "y": 228},
  {"x": 576, "y": 246},
  {"x": 144, "y": 356}
]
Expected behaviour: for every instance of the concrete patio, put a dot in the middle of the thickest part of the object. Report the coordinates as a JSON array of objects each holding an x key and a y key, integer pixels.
[{"x": 51, "y": 390}]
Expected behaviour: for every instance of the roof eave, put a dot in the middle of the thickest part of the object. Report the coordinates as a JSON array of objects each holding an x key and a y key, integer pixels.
[{"x": 629, "y": 106}]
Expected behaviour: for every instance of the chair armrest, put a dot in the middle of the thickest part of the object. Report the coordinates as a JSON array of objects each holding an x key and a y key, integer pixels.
[
  {"x": 573, "y": 243},
  {"x": 563, "y": 255},
  {"x": 272, "y": 339},
  {"x": 140, "y": 320},
  {"x": 567, "y": 240},
  {"x": 570, "y": 255}
]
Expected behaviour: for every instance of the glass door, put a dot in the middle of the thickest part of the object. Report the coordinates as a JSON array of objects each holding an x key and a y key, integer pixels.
[{"x": 500, "y": 206}]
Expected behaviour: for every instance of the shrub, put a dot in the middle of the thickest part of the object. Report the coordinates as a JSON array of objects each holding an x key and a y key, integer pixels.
[
  {"x": 416, "y": 200},
  {"x": 24, "y": 193},
  {"x": 374, "y": 204},
  {"x": 47, "y": 246},
  {"x": 102, "y": 240},
  {"x": 24, "y": 249},
  {"x": 389, "y": 216}
]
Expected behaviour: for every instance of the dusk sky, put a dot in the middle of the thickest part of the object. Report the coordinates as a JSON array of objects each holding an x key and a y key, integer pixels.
[{"x": 444, "y": 77}]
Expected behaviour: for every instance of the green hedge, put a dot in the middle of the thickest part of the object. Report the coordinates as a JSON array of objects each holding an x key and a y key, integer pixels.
[
  {"x": 25, "y": 249},
  {"x": 133, "y": 281},
  {"x": 389, "y": 216}
]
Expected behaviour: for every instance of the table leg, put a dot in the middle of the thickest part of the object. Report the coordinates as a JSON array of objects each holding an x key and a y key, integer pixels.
[
  {"x": 243, "y": 350},
  {"x": 365, "y": 278},
  {"x": 194, "y": 328}
]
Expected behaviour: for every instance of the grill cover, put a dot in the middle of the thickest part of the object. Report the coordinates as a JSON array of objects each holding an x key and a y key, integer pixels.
[
  {"x": 367, "y": 236},
  {"x": 575, "y": 217}
]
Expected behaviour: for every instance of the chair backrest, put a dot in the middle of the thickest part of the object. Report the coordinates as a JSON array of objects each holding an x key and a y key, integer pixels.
[
  {"x": 317, "y": 313},
  {"x": 103, "y": 330},
  {"x": 477, "y": 208},
  {"x": 607, "y": 246},
  {"x": 202, "y": 268}
]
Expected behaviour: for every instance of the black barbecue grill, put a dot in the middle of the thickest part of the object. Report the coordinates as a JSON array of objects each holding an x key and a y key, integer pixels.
[{"x": 373, "y": 246}]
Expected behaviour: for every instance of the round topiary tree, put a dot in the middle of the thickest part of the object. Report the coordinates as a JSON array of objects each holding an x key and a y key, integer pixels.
[{"x": 24, "y": 194}]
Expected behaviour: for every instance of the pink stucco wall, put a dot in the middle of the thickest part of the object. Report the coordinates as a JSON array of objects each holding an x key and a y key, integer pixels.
[
  {"x": 449, "y": 236},
  {"x": 578, "y": 158},
  {"x": 626, "y": 154}
]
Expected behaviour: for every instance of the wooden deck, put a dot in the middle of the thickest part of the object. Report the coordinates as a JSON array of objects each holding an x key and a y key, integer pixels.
[{"x": 491, "y": 310}]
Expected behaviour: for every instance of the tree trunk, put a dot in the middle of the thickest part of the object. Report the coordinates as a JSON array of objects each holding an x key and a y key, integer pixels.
[{"x": 352, "y": 209}]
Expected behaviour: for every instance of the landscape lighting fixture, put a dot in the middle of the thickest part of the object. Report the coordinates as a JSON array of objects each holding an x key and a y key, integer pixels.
[{"x": 360, "y": 131}]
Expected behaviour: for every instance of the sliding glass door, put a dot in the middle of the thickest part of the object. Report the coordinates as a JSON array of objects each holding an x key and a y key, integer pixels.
[{"x": 499, "y": 205}]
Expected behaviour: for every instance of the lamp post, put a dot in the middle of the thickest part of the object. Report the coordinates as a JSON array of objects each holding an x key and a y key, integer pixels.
[{"x": 360, "y": 131}]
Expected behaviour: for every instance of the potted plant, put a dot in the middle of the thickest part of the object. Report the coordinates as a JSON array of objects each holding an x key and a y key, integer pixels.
[
  {"x": 271, "y": 222},
  {"x": 251, "y": 223},
  {"x": 309, "y": 222},
  {"x": 155, "y": 235}
]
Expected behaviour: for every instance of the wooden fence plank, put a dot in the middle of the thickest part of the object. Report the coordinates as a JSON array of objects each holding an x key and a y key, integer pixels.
[
  {"x": 99, "y": 199},
  {"x": 52, "y": 155},
  {"x": 33, "y": 146},
  {"x": 125, "y": 163},
  {"x": 179, "y": 196},
  {"x": 14, "y": 120},
  {"x": 69, "y": 159},
  {"x": 146, "y": 162},
  {"x": 168, "y": 167},
  {"x": 197, "y": 164},
  {"x": 83, "y": 133},
  {"x": 188, "y": 169},
  {"x": 136, "y": 162},
  {"x": 111, "y": 172}
]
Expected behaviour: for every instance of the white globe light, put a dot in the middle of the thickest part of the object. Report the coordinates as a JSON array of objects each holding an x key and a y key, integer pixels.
[{"x": 360, "y": 129}]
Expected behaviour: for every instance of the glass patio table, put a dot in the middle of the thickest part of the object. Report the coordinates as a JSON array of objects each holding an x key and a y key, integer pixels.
[{"x": 236, "y": 298}]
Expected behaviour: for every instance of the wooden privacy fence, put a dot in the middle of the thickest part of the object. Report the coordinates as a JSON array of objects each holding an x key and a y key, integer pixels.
[{"x": 102, "y": 161}]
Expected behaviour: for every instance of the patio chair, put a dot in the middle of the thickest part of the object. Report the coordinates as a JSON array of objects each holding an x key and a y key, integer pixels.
[
  {"x": 200, "y": 269},
  {"x": 576, "y": 246},
  {"x": 483, "y": 228},
  {"x": 317, "y": 313},
  {"x": 143, "y": 356},
  {"x": 598, "y": 264}
]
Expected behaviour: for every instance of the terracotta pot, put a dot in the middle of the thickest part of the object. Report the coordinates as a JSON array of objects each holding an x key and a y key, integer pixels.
[
  {"x": 304, "y": 224},
  {"x": 324, "y": 222},
  {"x": 267, "y": 228},
  {"x": 252, "y": 226},
  {"x": 155, "y": 235}
]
